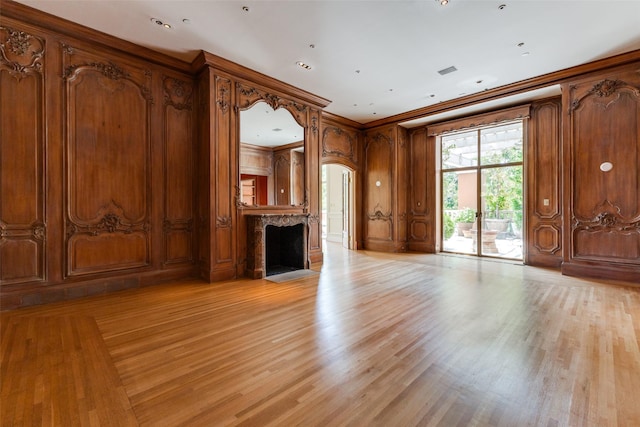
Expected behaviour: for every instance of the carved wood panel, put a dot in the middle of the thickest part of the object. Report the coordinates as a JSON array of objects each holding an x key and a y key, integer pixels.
[
  {"x": 22, "y": 142},
  {"x": 108, "y": 163},
  {"x": 340, "y": 144},
  {"x": 226, "y": 178},
  {"x": 297, "y": 178},
  {"x": 421, "y": 205},
  {"x": 178, "y": 170},
  {"x": 544, "y": 195},
  {"x": 604, "y": 202},
  {"x": 282, "y": 177},
  {"x": 379, "y": 186}
]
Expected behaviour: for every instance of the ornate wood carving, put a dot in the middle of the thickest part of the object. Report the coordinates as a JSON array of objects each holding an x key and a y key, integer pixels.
[
  {"x": 604, "y": 89},
  {"x": 337, "y": 142},
  {"x": 248, "y": 95},
  {"x": 223, "y": 94},
  {"x": 223, "y": 222},
  {"x": 378, "y": 215},
  {"x": 606, "y": 217},
  {"x": 109, "y": 70},
  {"x": 178, "y": 93},
  {"x": 21, "y": 53},
  {"x": 110, "y": 219}
]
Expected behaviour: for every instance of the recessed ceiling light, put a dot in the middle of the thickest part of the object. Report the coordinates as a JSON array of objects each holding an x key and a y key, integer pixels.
[
  {"x": 443, "y": 2},
  {"x": 303, "y": 65},
  {"x": 276, "y": 130},
  {"x": 520, "y": 44},
  {"x": 245, "y": 8},
  {"x": 312, "y": 46},
  {"x": 502, "y": 6},
  {"x": 433, "y": 95},
  {"x": 526, "y": 53},
  {"x": 357, "y": 71},
  {"x": 160, "y": 23},
  {"x": 478, "y": 81},
  {"x": 186, "y": 21}
]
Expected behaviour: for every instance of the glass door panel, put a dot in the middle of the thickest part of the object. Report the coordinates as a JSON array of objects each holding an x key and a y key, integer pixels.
[
  {"x": 459, "y": 202},
  {"x": 501, "y": 201}
]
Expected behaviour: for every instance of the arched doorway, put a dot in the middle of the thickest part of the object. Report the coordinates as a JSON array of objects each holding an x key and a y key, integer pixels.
[{"x": 338, "y": 201}]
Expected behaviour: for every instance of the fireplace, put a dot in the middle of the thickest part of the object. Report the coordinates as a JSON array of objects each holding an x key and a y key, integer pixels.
[{"x": 276, "y": 243}]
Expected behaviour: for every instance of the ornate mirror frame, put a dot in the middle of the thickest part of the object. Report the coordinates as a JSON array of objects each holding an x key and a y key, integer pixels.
[{"x": 247, "y": 96}]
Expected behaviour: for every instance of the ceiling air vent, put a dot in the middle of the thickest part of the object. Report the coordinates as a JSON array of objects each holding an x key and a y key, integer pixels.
[{"x": 447, "y": 70}]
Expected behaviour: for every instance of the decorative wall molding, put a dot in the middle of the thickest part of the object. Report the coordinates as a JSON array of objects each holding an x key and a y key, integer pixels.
[
  {"x": 111, "y": 71},
  {"x": 177, "y": 225},
  {"x": 178, "y": 93},
  {"x": 333, "y": 149},
  {"x": 35, "y": 231},
  {"x": 606, "y": 217},
  {"x": 20, "y": 52},
  {"x": 110, "y": 219},
  {"x": 487, "y": 119},
  {"x": 377, "y": 138},
  {"x": 554, "y": 234},
  {"x": 604, "y": 89},
  {"x": 248, "y": 96},
  {"x": 223, "y": 222},
  {"x": 223, "y": 93},
  {"x": 378, "y": 215}
]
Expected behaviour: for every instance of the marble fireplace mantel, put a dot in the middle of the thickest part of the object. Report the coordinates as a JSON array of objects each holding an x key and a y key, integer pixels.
[{"x": 257, "y": 224}]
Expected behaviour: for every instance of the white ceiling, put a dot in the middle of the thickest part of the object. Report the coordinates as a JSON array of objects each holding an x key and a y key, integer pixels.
[{"x": 376, "y": 58}]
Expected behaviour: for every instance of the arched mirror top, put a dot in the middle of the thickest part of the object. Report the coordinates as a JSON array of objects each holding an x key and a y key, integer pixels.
[
  {"x": 249, "y": 96},
  {"x": 272, "y": 158}
]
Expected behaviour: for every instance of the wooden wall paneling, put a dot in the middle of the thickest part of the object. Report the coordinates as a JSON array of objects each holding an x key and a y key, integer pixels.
[
  {"x": 603, "y": 207},
  {"x": 297, "y": 178},
  {"x": 313, "y": 184},
  {"x": 204, "y": 173},
  {"x": 340, "y": 145},
  {"x": 225, "y": 182},
  {"x": 256, "y": 160},
  {"x": 422, "y": 184},
  {"x": 108, "y": 163},
  {"x": 282, "y": 177},
  {"x": 543, "y": 161},
  {"x": 379, "y": 155},
  {"x": 401, "y": 190},
  {"x": 23, "y": 228},
  {"x": 178, "y": 174}
]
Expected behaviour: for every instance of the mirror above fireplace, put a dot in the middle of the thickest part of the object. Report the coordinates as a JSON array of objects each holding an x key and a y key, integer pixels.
[{"x": 272, "y": 159}]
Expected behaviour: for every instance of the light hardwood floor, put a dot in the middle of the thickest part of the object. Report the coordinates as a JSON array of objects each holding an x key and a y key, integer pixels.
[{"x": 375, "y": 339}]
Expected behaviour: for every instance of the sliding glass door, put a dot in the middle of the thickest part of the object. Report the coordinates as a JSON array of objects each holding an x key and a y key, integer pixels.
[{"x": 482, "y": 198}]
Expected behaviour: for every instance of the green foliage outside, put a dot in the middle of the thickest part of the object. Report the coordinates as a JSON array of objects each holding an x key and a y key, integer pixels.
[
  {"x": 449, "y": 226},
  {"x": 466, "y": 215},
  {"x": 503, "y": 186}
]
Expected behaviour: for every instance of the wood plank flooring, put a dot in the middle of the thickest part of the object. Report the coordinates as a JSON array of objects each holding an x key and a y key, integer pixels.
[{"x": 374, "y": 340}]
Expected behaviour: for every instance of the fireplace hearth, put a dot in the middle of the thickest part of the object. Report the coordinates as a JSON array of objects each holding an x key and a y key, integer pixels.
[{"x": 276, "y": 243}]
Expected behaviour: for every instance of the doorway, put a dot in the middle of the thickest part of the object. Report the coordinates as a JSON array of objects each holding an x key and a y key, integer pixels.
[
  {"x": 481, "y": 176},
  {"x": 337, "y": 205}
]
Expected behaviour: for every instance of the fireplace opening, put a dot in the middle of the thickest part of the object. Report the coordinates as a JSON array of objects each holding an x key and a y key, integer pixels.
[{"x": 284, "y": 247}]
